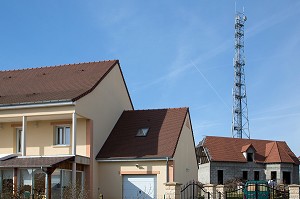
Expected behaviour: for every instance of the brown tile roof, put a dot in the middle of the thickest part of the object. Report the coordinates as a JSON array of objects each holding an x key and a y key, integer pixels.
[
  {"x": 164, "y": 125},
  {"x": 34, "y": 162},
  {"x": 246, "y": 147},
  {"x": 52, "y": 84},
  {"x": 230, "y": 150}
]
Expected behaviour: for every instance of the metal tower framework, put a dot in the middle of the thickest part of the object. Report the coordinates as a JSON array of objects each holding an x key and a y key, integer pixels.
[{"x": 240, "y": 122}]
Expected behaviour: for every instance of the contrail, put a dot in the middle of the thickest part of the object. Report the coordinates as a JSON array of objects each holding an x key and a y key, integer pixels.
[{"x": 211, "y": 86}]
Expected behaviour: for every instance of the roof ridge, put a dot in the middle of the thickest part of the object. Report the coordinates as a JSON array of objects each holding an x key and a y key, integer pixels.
[
  {"x": 278, "y": 151},
  {"x": 283, "y": 150},
  {"x": 242, "y": 138},
  {"x": 60, "y": 65},
  {"x": 273, "y": 143},
  {"x": 156, "y": 109}
]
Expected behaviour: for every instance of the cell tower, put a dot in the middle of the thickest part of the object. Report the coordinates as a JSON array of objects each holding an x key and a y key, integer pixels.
[{"x": 240, "y": 122}]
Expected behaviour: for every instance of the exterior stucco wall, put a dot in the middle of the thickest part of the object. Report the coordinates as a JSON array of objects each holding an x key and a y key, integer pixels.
[
  {"x": 204, "y": 173},
  {"x": 8, "y": 139},
  {"x": 110, "y": 177},
  {"x": 16, "y": 114},
  {"x": 185, "y": 162},
  {"x": 103, "y": 106},
  {"x": 40, "y": 139}
]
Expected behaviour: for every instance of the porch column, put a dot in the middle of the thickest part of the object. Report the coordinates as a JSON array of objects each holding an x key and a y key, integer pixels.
[
  {"x": 74, "y": 121},
  {"x": 15, "y": 181},
  {"x": 23, "y": 137},
  {"x": 73, "y": 179},
  {"x": 48, "y": 186},
  {"x": 1, "y": 180}
]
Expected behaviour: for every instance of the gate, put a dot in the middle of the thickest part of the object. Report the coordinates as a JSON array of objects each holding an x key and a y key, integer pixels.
[
  {"x": 194, "y": 190},
  {"x": 256, "y": 190}
]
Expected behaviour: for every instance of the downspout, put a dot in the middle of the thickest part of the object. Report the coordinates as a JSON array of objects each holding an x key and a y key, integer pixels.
[{"x": 167, "y": 169}]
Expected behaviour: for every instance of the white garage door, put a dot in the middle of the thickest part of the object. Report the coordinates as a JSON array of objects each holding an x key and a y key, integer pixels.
[{"x": 139, "y": 186}]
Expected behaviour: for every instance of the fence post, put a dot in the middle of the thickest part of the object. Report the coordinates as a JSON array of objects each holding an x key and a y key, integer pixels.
[
  {"x": 294, "y": 191},
  {"x": 211, "y": 188},
  {"x": 172, "y": 190},
  {"x": 221, "y": 190},
  {"x": 193, "y": 189}
]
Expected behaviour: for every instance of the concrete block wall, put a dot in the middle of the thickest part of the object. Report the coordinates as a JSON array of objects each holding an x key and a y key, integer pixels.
[{"x": 234, "y": 170}]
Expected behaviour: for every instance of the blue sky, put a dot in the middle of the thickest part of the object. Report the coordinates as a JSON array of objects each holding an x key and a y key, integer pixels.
[{"x": 172, "y": 53}]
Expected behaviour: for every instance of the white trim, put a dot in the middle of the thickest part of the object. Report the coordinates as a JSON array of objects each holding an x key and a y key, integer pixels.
[
  {"x": 18, "y": 140},
  {"x": 74, "y": 129},
  {"x": 62, "y": 136},
  {"x": 46, "y": 156},
  {"x": 33, "y": 105},
  {"x": 23, "y": 139}
]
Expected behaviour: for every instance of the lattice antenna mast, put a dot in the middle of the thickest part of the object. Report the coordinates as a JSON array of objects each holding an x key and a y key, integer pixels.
[{"x": 240, "y": 122}]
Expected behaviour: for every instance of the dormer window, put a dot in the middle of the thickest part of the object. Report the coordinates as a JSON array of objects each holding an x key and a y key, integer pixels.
[
  {"x": 250, "y": 157},
  {"x": 142, "y": 132}
]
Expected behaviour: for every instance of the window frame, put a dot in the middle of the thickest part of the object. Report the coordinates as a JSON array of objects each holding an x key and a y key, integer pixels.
[
  {"x": 19, "y": 140},
  {"x": 142, "y": 132},
  {"x": 60, "y": 137},
  {"x": 250, "y": 157}
]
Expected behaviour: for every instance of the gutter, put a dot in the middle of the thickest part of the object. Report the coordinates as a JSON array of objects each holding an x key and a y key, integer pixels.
[
  {"x": 36, "y": 105},
  {"x": 134, "y": 159},
  {"x": 167, "y": 169}
]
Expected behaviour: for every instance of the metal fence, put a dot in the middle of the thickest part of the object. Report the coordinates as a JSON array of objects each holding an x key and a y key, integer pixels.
[{"x": 194, "y": 190}]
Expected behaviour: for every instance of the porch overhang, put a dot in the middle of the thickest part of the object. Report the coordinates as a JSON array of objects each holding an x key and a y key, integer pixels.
[{"x": 41, "y": 161}]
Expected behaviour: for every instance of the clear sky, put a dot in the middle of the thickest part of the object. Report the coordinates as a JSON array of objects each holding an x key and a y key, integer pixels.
[{"x": 172, "y": 53}]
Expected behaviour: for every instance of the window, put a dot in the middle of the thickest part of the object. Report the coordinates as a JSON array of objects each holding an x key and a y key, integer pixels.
[
  {"x": 19, "y": 140},
  {"x": 250, "y": 157},
  {"x": 142, "y": 132},
  {"x": 220, "y": 176},
  {"x": 256, "y": 175},
  {"x": 62, "y": 135},
  {"x": 273, "y": 175},
  {"x": 245, "y": 175},
  {"x": 286, "y": 177}
]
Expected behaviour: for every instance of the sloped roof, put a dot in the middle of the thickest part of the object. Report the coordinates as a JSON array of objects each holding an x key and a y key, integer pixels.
[
  {"x": 164, "y": 125},
  {"x": 246, "y": 147},
  {"x": 51, "y": 84},
  {"x": 230, "y": 150},
  {"x": 34, "y": 162}
]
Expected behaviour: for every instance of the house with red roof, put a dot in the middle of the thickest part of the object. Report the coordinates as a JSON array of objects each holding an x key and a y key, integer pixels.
[
  {"x": 222, "y": 159},
  {"x": 75, "y": 126}
]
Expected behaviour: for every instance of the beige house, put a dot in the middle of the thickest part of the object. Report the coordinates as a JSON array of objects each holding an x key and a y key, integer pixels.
[
  {"x": 54, "y": 121},
  {"x": 146, "y": 149}
]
